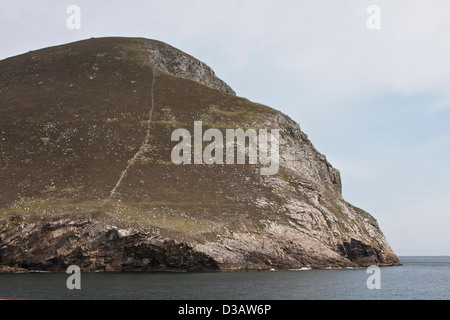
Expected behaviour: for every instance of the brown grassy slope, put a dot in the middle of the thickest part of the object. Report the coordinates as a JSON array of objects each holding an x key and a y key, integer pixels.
[{"x": 72, "y": 117}]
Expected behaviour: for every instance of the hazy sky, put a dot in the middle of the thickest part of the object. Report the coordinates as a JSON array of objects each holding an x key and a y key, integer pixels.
[{"x": 375, "y": 102}]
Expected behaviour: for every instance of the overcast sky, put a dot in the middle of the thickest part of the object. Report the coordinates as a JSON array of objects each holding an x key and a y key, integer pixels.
[{"x": 375, "y": 102}]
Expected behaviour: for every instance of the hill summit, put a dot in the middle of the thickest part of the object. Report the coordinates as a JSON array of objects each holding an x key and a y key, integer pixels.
[{"x": 88, "y": 178}]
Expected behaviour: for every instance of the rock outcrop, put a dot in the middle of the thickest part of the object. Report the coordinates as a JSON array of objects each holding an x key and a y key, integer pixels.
[
  {"x": 178, "y": 63},
  {"x": 87, "y": 177},
  {"x": 54, "y": 244}
]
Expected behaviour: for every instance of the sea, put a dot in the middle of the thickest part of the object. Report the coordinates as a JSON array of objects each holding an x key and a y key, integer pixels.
[{"x": 419, "y": 278}]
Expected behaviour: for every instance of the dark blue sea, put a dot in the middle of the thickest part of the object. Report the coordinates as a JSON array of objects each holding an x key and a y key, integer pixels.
[{"x": 418, "y": 278}]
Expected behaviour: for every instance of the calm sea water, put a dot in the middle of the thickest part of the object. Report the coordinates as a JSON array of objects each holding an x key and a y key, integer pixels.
[{"x": 418, "y": 278}]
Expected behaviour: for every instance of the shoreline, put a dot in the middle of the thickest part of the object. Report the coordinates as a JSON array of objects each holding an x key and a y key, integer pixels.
[{"x": 11, "y": 270}]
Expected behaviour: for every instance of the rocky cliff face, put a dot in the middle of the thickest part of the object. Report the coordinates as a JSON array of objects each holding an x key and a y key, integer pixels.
[
  {"x": 92, "y": 245},
  {"x": 87, "y": 176},
  {"x": 178, "y": 63}
]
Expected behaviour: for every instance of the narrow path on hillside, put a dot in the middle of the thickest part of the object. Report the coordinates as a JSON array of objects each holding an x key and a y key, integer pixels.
[{"x": 132, "y": 161}]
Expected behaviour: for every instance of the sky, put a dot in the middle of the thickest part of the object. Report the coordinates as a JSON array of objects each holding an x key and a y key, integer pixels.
[{"x": 370, "y": 89}]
